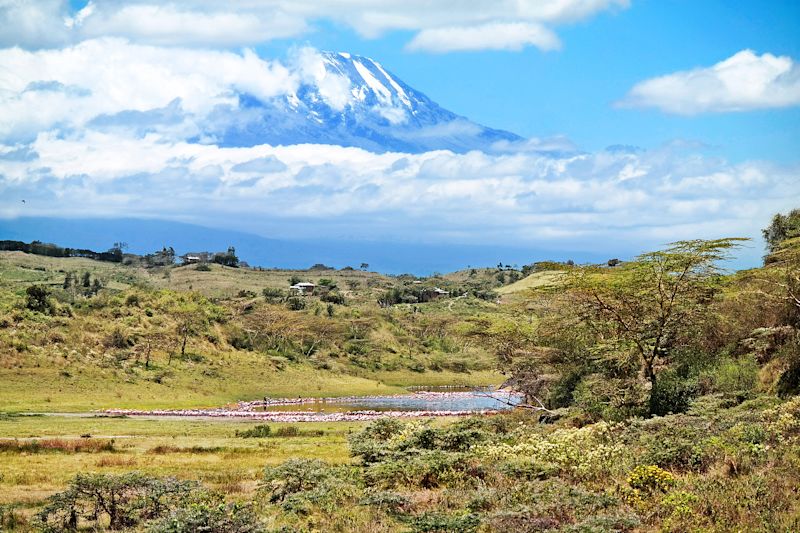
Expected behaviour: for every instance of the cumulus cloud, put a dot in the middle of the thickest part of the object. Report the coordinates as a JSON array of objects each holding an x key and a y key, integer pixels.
[
  {"x": 72, "y": 86},
  {"x": 493, "y": 36},
  {"x": 442, "y": 25},
  {"x": 743, "y": 82},
  {"x": 33, "y": 23}
]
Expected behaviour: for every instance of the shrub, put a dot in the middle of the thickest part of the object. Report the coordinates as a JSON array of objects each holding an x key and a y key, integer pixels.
[
  {"x": 676, "y": 442},
  {"x": 672, "y": 393},
  {"x": 210, "y": 514},
  {"x": 441, "y": 523},
  {"x": 650, "y": 478},
  {"x": 258, "y": 432},
  {"x": 783, "y": 422},
  {"x": 287, "y": 431},
  {"x": 735, "y": 377},
  {"x": 117, "y": 339},
  {"x": 273, "y": 295},
  {"x": 293, "y": 476},
  {"x": 586, "y": 453},
  {"x": 37, "y": 298},
  {"x": 11, "y": 519},
  {"x": 126, "y": 500},
  {"x": 386, "y": 500},
  {"x": 333, "y": 297},
  {"x": 295, "y": 304}
]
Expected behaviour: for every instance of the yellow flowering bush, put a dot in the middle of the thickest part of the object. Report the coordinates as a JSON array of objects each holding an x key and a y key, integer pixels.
[
  {"x": 651, "y": 478},
  {"x": 783, "y": 422},
  {"x": 645, "y": 481},
  {"x": 587, "y": 452}
]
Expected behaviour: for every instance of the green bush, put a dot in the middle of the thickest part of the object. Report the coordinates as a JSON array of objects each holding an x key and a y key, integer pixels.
[
  {"x": 295, "y": 303},
  {"x": 736, "y": 376},
  {"x": 258, "y": 432},
  {"x": 672, "y": 393},
  {"x": 125, "y": 500},
  {"x": 37, "y": 298},
  {"x": 444, "y": 523},
  {"x": 273, "y": 295},
  {"x": 293, "y": 476},
  {"x": 210, "y": 515}
]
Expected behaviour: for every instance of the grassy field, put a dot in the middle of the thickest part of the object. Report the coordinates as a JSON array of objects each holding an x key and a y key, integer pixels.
[
  {"x": 17, "y": 269},
  {"x": 88, "y": 353},
  {"x": 49, "y": 390},
  {"x": 535, "y": 280},
  {"x": 204, "y": 450}
]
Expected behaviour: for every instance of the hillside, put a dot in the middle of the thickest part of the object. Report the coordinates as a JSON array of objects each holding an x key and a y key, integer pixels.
[
  {"x": 624, "y": 426},
  {"x": 90, "y": 350}
]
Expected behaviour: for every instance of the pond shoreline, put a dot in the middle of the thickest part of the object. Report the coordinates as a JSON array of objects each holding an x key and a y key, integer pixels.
[{"x": 258, "y": 409}]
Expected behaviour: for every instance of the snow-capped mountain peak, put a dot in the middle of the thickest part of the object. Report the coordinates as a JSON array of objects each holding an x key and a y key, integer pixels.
[{"x": 353, "y": 100}]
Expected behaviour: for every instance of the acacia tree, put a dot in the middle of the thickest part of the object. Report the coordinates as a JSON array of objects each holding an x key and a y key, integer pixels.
[
  {"x": 646, "y": 306},
  {"x": 191, "y": 318},
  {"x": 781, "y": 228}
]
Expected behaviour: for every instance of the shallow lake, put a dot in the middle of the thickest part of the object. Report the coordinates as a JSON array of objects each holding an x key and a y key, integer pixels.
[{"x": 420, "y": 399}]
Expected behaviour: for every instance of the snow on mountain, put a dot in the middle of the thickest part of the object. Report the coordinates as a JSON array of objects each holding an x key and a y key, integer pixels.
[{"x": 351, "y": 100}]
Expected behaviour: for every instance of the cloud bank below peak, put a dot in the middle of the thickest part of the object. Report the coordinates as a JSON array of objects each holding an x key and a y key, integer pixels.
[{"x": 587, "y": 201}]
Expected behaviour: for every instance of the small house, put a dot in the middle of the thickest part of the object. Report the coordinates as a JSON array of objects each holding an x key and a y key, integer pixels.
[
  {"x": 303, "y": 288},
  {"x": 439, "y": 293},
  {"x": 195, "y": 257}
]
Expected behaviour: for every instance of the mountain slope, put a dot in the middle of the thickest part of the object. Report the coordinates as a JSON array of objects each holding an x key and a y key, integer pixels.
[{"x": 352, "y": 101}]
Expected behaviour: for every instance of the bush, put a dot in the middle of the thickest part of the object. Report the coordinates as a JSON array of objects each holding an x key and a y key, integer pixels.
[
  {"x": 212, "y": 515},
  {"x": 37, "y": 299},
  {"x": 126, "y": 500},
  {"x": 672, "y": 393},
  {"x": 295, "y": 304},
  {"x": 11, "y": 519},
  {"x": 676, "y": 447},
  {"x": 651, "y": 478},
  {"x": 273, "y": 295},
  {"x": 736, "y": 377},
  {"x": 287, "y": 431},
  {"x": 258, "y": 432},
  {"x": 442, "y": 523},
  {"x": 293, "y": 476},
  {"x": 333, "y": 297}
]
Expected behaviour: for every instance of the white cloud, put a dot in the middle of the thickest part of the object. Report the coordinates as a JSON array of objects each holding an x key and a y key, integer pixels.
[
  {"x": 32, "y": 23},
  {"x": 444, "y": 24},
  {"x": 743, "y": 82},
  {"x": 108, "y": 76},
  {"x": 492, "y": 36},
  {"x": 334, "y": 88},
  {"x": 172, "y": 25}
]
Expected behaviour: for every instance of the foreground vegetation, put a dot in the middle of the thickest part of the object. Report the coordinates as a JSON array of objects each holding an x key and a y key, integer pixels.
[{"x": 661, "y": 394}]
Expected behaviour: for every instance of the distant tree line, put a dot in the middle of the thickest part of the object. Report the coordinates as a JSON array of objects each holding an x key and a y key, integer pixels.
[{"x": 113, "y": 255}]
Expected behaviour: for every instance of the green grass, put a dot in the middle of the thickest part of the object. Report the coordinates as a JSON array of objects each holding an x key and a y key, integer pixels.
[
  {"x": 48, "y": 390},
  {"x": 204, "y": 450},
  {"x": 535, "y": 280}
]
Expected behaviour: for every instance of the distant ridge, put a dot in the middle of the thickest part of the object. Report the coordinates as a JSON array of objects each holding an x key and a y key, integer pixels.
[{"x": 147, "y": 236}]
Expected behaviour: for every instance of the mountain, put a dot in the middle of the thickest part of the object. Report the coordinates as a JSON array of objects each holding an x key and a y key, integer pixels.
[
  {"x": 146, "y": 236},
  {"x": 351, "y": 100}
]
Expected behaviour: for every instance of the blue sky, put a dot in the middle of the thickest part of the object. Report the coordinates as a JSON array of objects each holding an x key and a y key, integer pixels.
[
  {"x": 704, "y": 95},
  {"x": 571, "y": 91}
]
